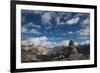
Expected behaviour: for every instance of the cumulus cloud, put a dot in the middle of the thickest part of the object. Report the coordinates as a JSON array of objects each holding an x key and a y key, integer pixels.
[
  {"x": 84, "y": 32},
  {"x": 23, "y": 29},
  {"x": 31, "y": 24},
  {"x": 50, "y": 44},
  {"x": 85, "y": 37},
  {"x": 26, "y": 42},
  {"x": 44, "y": 41},
  {"x": 70, "y": 32},
  {"x": 85, "y": 42},
  {"x": 66, "y": 19},
  {"x": 40, "y": 41},
  {"x": 53, "y": 14},
  {"x": 58, "y": 20},
  {"x": 66, "y": 42},
  {"x": 56, "y": 38},
  {"x": 73, "y": 21},
  {"x": 46, "y": 18},
  {"x": 85, "y": 22},
  {"x": 64, "y": 34},
  {"x": 34, "y": 31}
]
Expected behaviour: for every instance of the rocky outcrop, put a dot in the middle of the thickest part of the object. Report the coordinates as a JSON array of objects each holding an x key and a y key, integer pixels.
[{"x": 72, "y": 51}]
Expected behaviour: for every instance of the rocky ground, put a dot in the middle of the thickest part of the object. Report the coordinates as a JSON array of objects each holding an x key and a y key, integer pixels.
[{"x": 41, "y": 54}]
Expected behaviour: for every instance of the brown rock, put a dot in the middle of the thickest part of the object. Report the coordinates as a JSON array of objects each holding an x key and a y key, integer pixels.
[{"x": 72, "y": 51}]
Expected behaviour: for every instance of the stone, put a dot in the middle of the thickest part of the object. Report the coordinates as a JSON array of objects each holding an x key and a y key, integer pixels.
[{"x": 72, "y": 51}]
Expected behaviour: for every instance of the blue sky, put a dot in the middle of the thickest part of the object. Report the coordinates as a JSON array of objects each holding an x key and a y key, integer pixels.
[{"x": 54, "y": 26}]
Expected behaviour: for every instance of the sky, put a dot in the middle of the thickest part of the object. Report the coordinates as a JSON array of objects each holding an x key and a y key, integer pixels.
[{"x": 54, "y": 28}]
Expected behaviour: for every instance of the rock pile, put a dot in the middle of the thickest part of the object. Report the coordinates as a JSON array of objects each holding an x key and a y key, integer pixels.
[{"x": 72, "y": 51}]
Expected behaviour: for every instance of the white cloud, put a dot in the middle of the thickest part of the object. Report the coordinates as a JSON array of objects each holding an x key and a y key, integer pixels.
[
  {"x": 84, "y": 32},
  {"x": 66, "y": 42},
  {"x": 85, "y": 42},
  {"x": 53, "y": 14},
  {"x": 44, "y": 41},
  {"x": 58, "y": 20},
  {"x": 23, "y": 29},
  {"x": 63, "y": 15},
  {"x": 34, "y": 31},
  {"x": 48, "y": 26},
  {"x": 85, "y": 22},
  {"x": 40, "y": 41},
  {"x": 26, "y": 42},
  {"x": 73, "y": 21},
  {"x": 37, "y": 26},
  {"x": 31, "y": 24},
  {"x": 46, "y": 18},
  {"x": 70, "y": 32},
  {"x": 64, "y": 34},
  {"x": 85, "y": 37},
  {"x": 50, "y": 44},
  {"x": 56, "y": 38},
  {"x": 76, "y": 43}
]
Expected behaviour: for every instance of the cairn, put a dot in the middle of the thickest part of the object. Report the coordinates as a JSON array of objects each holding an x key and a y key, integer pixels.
[{"x": 72, "y": 51}]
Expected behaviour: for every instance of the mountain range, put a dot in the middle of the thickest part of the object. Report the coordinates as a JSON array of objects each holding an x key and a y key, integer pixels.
[{"x": 31, "y": 53}]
